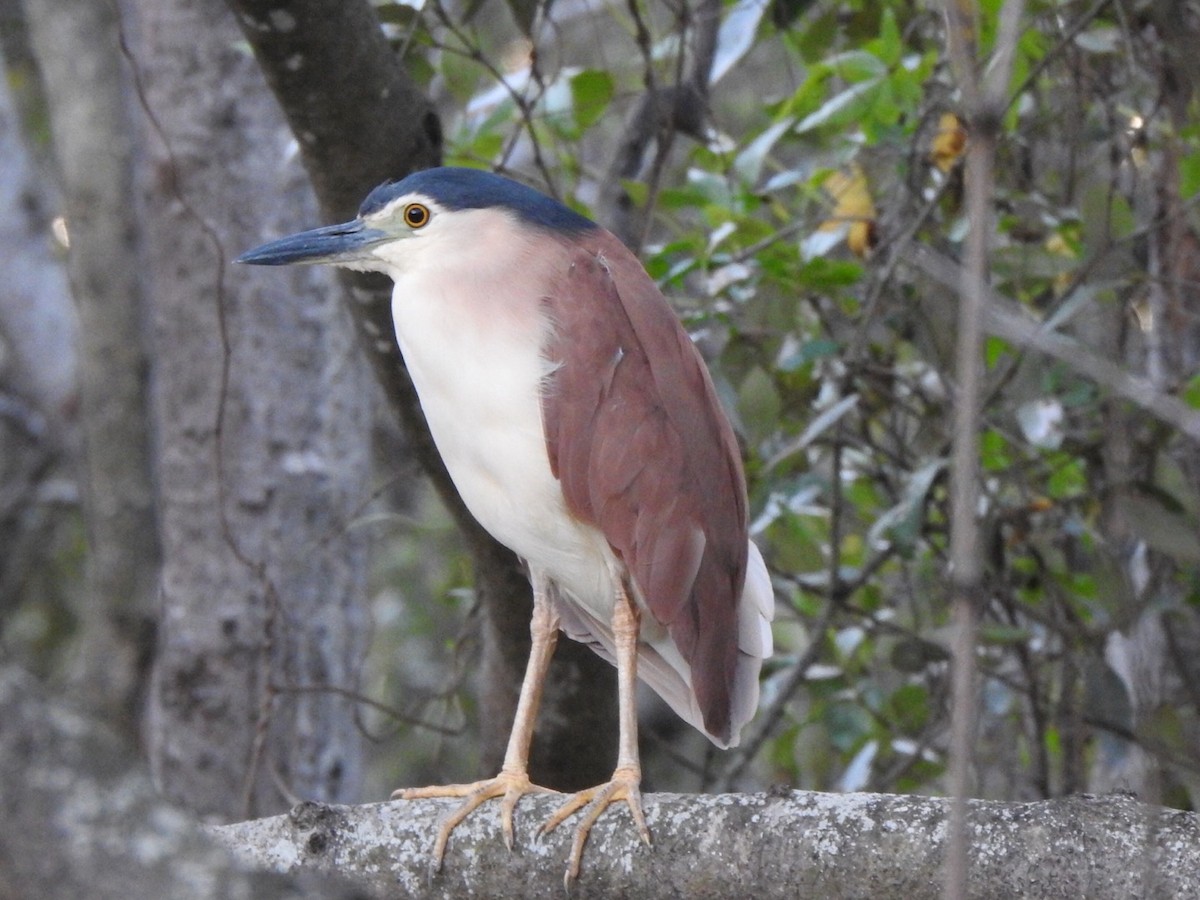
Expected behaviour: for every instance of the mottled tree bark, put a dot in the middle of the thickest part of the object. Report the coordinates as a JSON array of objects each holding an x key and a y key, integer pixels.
[
  {"x": 76, "y": 46},
  {"x": 82, "y": 818},
  {"x": 262, "y": 416},
  {"x": 787, "y": 844}
]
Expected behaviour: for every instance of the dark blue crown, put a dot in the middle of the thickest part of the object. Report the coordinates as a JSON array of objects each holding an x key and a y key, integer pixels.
[{"x": 457, "y": 188}]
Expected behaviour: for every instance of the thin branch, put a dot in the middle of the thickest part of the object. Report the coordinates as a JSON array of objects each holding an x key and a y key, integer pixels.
[
  {"x": 1006, "y": 320},
  {"x": 363, "y": 700},
  {"x": 786, "y": 844},
  {"x": 983, "y": 104},
  {"x": 526, "y": 106},
  {"x": 1065, "y": 40},
  {"x": 661, "y": 112}
]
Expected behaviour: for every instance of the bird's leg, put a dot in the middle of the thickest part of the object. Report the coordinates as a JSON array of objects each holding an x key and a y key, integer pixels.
[
  {"x": 626, "y": 780},
  {"x": 513, "y": 781}
]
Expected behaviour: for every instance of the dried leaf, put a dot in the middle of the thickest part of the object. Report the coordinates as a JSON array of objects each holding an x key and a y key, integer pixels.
[
  {"x": 853, "y": 211},
  {"x": 948, "y": 143}
]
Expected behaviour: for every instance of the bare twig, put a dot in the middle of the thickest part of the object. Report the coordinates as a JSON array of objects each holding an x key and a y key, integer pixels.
[
  {"x": 392, "y": 712},
  {"x": 661, "y": 112},
  {"x": 1006, "y": 320},
  {"x": 983, "y": 104},
  {"x": 526, "y": 105}
]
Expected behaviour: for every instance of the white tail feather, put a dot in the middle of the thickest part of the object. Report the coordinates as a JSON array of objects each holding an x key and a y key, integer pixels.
[{"x": 663, "y": 668}]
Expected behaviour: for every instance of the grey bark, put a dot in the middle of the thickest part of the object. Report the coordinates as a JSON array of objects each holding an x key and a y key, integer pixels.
[
  {"x": 359, "y": 121},
  {"x": 788, "y": 844},
  {"x": 76, "y": 46},
  {"x": 82, "y": 819},
  {"x": 262, "y": 415}
]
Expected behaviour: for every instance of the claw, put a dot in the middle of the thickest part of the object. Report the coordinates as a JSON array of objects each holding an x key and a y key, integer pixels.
[
  {"x": 625, "y": 785},
  {"x": 510, "y": 786}
]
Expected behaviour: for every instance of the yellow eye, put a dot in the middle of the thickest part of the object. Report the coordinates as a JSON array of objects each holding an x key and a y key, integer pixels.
[{"x": 416, "y": 215}]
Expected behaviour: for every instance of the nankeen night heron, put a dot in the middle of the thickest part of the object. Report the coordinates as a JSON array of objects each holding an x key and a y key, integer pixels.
[{"x": 582, "y": 430}]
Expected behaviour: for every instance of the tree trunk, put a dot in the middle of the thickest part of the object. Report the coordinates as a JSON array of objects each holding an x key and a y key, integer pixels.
[
  {"x": 76, "y": 46},
  {"x": 262, "y": 415}
]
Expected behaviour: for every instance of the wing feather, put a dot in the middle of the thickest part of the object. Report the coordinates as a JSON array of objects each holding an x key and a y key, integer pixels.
[{"x": 644, "y": 453}]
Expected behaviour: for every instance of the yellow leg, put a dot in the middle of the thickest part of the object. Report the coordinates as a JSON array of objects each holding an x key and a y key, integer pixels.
[
  {"x": 513, "y": 781},
  {"x": 626, "y": 780}
]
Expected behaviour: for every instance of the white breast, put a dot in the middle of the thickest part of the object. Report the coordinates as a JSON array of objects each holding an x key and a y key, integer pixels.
[{"x": 473, "y": 347}]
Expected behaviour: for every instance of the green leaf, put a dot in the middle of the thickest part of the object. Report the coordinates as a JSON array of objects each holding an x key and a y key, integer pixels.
[
  {"x": 847, "y": 724},
  {"x": 759, "y": 403},
  {"x": 487, "y": 145},
  {"x": 638, "y": 192},
  {"x": 999, "y": 634},
  {"x": 821, "y": 33},
  {"x": 398, "y": 14},
  {"x": 909, "y": 707},
  {"x": 736, "y": 35},
  {"x": 889, "y": 46},
  {"x": 809, "y": 352},
  {"x": 855, "y": 66},
  {"x": 1068, "y": 480},
  {"x": 843, "y": 108},
  {"x": 994, "y": 348},
  {"x": 1191, "y": 392},
  {"x": 1053, "y": 742},
  {"x": 902, "y": 523},
  {"x": 823, "y": 274},
  {"x": 1106, "y": 217},
  {"x": 1171, "y": 479},
  {"x": 749, "y": 162},
  {"x": 591, "y": 92},
  {"x": 461, "y": 77},
  {"x": 827, "y": 418},
  {"x": 993, "y": 451},
  {"x": 914, "y": 654},
  {"x": 784, "y": 12}
]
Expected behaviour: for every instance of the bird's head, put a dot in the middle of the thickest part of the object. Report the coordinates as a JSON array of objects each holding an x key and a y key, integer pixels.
[{"x": 453, "y": 209}]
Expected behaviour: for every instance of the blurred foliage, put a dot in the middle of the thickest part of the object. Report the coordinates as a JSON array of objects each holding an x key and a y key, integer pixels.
[
  {"x": 425, "y": 644},
  {"x": 786, "y": 239}
]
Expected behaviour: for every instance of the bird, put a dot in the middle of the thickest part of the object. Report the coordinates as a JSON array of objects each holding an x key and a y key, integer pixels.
[{"x": 581, "y": 428}]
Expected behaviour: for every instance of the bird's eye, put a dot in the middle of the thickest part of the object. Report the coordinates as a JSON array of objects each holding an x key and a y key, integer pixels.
[{"x": 416, "y": 215}]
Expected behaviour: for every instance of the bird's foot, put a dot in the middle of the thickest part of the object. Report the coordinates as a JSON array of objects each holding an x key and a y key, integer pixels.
[
  {"x": 625, "y": 785},
  {"x": 509, "y": 786}
]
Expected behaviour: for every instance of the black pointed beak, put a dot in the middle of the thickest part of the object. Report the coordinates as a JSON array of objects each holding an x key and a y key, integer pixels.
[{"x": 333, "y": 244}]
